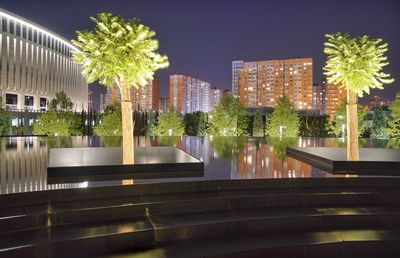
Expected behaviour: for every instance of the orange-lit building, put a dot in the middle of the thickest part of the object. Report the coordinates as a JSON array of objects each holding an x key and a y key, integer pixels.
[
  {"x": 319, "y": 99},
  {"x": 143, "y": 98},
  {"x": 188, "y": 94},
  {"x": 262, "y": 161},
  {"x": 163, "y": 105},
  {"x": 262, "y": 83},
  {"x": 333, "y": 96}
]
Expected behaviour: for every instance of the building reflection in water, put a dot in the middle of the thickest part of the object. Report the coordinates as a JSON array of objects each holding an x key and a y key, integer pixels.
[
  {"x": 23, "y": 160},
  {"x": 23, "y": 166}
]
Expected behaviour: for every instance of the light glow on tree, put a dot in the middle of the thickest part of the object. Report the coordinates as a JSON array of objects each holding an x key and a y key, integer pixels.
[{"x": 122, "y": 53}]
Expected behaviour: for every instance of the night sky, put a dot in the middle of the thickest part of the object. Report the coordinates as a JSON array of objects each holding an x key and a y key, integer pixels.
[{"x": 202, "y": 38}]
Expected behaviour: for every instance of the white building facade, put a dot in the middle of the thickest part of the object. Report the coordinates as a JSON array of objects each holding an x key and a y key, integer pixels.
[{"x": 36, "y": 64}]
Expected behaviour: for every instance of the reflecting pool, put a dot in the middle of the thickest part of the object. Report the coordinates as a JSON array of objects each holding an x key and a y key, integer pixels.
[{"x": 23, "y": 160}]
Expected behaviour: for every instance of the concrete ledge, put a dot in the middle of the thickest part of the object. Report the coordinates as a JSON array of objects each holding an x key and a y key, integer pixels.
[
  {"x": 76, "y": 164},
  {"x": 373, "y": 161}
]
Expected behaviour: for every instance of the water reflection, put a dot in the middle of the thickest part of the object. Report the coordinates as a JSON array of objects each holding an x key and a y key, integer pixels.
[{"x": 23, "y": 160}]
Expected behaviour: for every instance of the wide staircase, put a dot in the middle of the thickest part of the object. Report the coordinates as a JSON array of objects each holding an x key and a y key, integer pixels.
[{"x": 317, "y": 217}]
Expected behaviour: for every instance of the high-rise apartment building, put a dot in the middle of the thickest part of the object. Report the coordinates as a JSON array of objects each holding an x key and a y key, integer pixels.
[
  {"x": 237, "y": 66},
  {"x": 215, "y": 97},
  {"x": 319, "y": 94},
  {"x": 188, "y": 94},
  {"x": 163, "y": 105},
  {"x": 35, "y": 64},
  {"x": 143, "y": 98},
  {"x": 262, "y": 83},
  {"x": 146, "y": 98},
  {"x": 333, "y": 96}
]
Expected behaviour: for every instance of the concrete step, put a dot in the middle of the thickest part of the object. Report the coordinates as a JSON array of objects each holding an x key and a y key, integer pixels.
[
  {"x": 80, "y": 239},
  {"x": 112, "y": 209},
  {"x": 321, "y": 244},
  {"x": 219, "y": 223}
]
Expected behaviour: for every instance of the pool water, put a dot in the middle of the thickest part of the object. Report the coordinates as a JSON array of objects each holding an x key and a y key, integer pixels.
[{"x": 23, "y": 160}]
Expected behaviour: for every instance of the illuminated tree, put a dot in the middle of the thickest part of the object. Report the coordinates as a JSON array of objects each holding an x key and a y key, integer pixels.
[
  {"x": 61, "y": 103},
  {"x": 229, "y": 118},
  {"x": 110, "y": 124},
  {"x": 122, "y": 53},
  {"x": 258, "y": 126},
  {"x": 5, "y": 120},
  {"x": 340, "y": 119},
  {"x": 284, "y": 121},
  {"x": 355, "y": 64},
  {"x": 394, "y": 123},
  {"x": 59, "y": 120},
  {"x": 170, "y": 124},
  {"x": 57, "y": 124},
  {"x": 379, "y": 123}
]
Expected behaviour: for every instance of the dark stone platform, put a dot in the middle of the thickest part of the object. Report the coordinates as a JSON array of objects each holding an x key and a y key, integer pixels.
[
  {"x": 77, "y": 164},
  {"x": 373, "y": 161}
]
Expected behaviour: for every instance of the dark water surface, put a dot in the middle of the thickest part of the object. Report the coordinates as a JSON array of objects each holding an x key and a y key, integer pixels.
[{"x": 23, "y": 160}]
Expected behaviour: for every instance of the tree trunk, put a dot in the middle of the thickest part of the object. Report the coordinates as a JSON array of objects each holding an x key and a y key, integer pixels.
[
  {"x": 353, "y": 152},
  {"x": 127, "y": 125}
]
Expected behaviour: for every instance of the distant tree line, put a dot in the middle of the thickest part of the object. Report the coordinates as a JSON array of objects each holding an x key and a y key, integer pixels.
[{"x": 229, "y": 118}]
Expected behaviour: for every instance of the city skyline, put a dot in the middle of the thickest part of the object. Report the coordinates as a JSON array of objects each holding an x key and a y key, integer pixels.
[{"x": 205, "y": 42}]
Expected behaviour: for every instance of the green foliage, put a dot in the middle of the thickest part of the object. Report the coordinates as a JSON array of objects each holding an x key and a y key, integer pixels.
[
  {"x": 258, "y": 125},
  {"x": 112, "y": 141},
  {"x": 170, "y": 141},
  {"x": 118, "y": 51},
  {"x": 202, "y": 130},
  {"x": 5, "y": 122},
  {"x": 111, "y": 122},
  {"x": 229, "y": 118},
  {"x": 394, "y": 123},
  {"x": 152, "y": 120},
  {"x": 194, "y": 123},
  {"x": 379, "y": 123},
  {"x": 57, "y": 124},
  {"x": 227, "y": 146},
  {"x": 169, "y": 124},
  {"x": 286, "y": 116},
  {"x": 314, "y": 125},
  {"x": 61, "y": 103},
  {"x": 340, "y": 118},
  {"x": 280, "y": 144},
  {"x": 356, "y": 63}
]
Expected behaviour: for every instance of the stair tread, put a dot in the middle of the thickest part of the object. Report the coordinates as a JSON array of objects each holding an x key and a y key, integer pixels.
[
  {"x": 201, "y": 218},
  {"x": 237, "y": 243},
  {"x": 72, "y": 232},
  {"x": 138, "y": 200}
]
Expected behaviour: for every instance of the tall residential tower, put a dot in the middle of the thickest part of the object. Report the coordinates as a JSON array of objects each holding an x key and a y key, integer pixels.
[
  {"x": 262, "y": 83},
  {"x": 188, "y": 94}
]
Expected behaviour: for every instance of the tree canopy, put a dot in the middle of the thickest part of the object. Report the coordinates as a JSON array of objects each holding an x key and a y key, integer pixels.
[
  {"x": 118, "y": 51},
  {"x": 111, "y": 122},
  {"x": 5, "y": 120},
  {"x": 169, "y": 124},
  {"x": 61, "y": 103},
  {"x": 229, "y": 118},
  {"x": 57, "y": 124},
  {"x": 60, "y": 119},
  {"x": 283, "y": 118},
  {"x": 356, "y": 63},
  {"x": 394, "y": 123},
  {"x": 379, "y": 123},
  {"x": 258, "y": 125}
]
